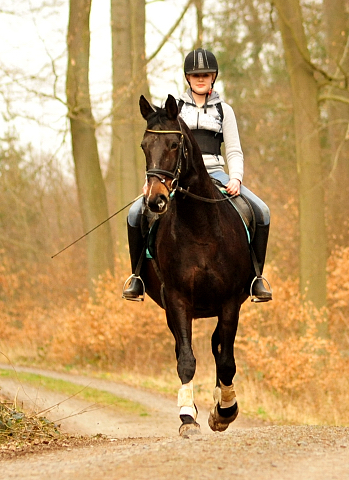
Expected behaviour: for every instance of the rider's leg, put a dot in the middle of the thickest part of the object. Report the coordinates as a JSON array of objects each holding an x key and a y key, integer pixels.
[
  {"x": 220, "y": 175},
  {"x": 136, "y": 245},
  {"x": 259, "y": 243},
  {"x": 260, "y": 240}
]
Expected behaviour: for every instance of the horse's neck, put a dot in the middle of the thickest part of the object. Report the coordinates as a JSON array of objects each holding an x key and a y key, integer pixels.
[
  {"x": 196, "y": 211},
  {"x": 196, "y": 177}
]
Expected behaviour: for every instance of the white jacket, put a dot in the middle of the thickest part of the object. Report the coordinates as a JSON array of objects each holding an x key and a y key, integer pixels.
[{"x": 196, "y": 118}]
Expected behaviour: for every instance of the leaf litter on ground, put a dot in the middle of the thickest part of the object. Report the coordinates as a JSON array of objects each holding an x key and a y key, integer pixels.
[{"x": 24, "y": 432}]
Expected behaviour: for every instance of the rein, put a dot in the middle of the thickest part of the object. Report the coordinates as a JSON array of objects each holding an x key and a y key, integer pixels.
[
  {"x": 198, "y": 197},
  {"x": 157, "y": 172}
]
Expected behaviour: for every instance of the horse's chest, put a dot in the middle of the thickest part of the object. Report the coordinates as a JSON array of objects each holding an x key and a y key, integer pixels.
[
  {"x": 197, "y": 267},
  {"x": 203, "y": 263}
]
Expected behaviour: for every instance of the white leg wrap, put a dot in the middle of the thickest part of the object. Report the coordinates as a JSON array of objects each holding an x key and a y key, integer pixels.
[
  {"x": 224, "y": 396},
  {"x": 186, "y": 400}
]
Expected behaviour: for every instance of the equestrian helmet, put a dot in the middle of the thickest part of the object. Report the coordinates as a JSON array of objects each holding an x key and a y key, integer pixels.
[{"x": 200, "y": 61}]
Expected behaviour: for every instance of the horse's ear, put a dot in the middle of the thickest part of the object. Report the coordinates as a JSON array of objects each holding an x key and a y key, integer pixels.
[
  {"x": 171, "y": 108},
  {"x": 145, "y": 107}
]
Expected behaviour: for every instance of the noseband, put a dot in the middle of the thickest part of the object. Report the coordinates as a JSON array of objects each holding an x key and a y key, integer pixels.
[{"x": 159, "y": 173}]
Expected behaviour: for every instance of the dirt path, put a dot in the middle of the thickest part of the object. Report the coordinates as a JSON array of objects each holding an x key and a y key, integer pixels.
[{"x": 143, "y": 447}]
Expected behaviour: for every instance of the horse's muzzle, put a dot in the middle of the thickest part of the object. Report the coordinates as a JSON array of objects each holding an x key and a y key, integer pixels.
[
  {"x": 157, "y": 203},
  {"x": 157, "y": 195}
]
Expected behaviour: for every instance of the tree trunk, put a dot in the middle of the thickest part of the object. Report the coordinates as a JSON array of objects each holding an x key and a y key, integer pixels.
[
  {"x": 313, "y": 244},
  {"x": 91, "y": 189},
  {"x": 126, "y": 165},
  {"x": 336, "y": 20},
  {"x": 199, "y": 6},
  {"x": 121, "y": 182},
  {"x": 140, "y": 82}
]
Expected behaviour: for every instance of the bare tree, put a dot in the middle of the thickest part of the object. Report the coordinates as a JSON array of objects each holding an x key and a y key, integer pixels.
[
  {"x": 199, "y": 6},
  {"x": 336, "y": 21},
  {"x": 91, "y": 189},
  {"x": 313, "y": 242},
  {"x": 126, "y": 165}
]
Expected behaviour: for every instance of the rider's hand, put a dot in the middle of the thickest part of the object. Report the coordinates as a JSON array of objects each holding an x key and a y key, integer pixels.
[{"x": 233, "y": 186}]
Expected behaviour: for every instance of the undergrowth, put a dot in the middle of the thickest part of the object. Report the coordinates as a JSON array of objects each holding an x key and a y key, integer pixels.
[
  {"x": 20, "y": 427},
  {"x": 287, "y": 370}
]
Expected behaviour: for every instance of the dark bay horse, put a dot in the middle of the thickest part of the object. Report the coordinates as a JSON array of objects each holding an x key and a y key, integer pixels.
[{"x": 201, "y": 263}]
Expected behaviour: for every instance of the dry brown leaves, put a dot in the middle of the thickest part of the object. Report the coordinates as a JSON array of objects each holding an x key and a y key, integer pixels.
[{"x": 22, "y": 433}]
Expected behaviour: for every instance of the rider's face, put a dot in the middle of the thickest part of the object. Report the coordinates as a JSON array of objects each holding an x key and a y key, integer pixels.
[{"x": 201, "y": 83}]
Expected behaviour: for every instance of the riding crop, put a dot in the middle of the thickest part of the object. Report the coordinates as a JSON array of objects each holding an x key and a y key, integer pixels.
[{"x": 94, "y": 228}]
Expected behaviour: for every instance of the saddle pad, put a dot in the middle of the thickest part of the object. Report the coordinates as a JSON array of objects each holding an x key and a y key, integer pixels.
[{"x": 245, "y": 210}]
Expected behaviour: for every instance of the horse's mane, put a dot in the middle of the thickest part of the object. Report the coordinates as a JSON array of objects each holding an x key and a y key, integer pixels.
[{"x": 158, "y": 117}]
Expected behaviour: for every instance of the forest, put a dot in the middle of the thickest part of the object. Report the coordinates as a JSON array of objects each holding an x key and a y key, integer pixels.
[{"x": 71, "y": 74}]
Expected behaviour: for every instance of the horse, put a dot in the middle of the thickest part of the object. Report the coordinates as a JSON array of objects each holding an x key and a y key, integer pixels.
[{"x": 201, "y": 262}]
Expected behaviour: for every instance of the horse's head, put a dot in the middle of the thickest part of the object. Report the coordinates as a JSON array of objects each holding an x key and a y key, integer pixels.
[{"x": 162, "y": 145}]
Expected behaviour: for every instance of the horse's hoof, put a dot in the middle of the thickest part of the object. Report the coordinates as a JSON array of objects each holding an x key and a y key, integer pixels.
[
  {"x": 187, "y": 430},
  {"x": 217, "y": 423}
]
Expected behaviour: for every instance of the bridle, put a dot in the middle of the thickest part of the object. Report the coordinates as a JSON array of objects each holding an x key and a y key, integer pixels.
[{"x": 160, "y": 173}]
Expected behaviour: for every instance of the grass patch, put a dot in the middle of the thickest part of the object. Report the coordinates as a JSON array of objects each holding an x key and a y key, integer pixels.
[{"x": 92, "y": 395}]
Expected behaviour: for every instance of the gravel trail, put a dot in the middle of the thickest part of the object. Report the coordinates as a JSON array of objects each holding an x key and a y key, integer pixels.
[{"x": 144, "y": 447}]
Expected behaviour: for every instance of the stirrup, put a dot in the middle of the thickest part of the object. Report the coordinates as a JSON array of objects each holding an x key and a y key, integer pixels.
[
  {"x": 140, "y": 297},
  {"x": 253, "y": 297}
]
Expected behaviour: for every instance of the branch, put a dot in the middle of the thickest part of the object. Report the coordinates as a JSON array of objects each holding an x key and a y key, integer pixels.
[
  {"x": 336, "y": 98},
  {"x": 304, "y": 54},
  {"x": 341, "y": 62},
  {"x": 7, "y": 12},
  {"x": 170, "y": 32},
  {"x": 53, "y": 96}
]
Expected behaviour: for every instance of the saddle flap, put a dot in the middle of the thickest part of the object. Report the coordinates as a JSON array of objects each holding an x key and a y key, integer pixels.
[
  {"x": 243, "y": 207},
  {"x": 245, "y": 210}
]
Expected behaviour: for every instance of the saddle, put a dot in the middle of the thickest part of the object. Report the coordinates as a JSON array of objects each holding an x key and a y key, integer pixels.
[{"x": 243, "y": 207}]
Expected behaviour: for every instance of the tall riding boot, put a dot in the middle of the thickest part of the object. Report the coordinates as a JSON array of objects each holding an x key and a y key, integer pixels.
[
  {"x": 135, "y": 290},
  {"x": 259, "y": 246}
]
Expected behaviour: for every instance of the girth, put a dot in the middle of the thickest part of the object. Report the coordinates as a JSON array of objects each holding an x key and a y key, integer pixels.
[{"x": 208, "y": 141}]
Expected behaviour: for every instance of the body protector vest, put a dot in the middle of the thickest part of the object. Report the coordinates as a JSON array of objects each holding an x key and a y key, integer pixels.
[{"x": 209, "y": 141}]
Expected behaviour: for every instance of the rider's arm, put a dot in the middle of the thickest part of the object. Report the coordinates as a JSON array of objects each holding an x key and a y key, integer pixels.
[{"x": 233, "y": 151}]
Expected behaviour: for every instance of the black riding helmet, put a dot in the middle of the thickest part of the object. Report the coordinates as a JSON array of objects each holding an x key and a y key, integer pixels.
[{"x": 200, "y": 61}]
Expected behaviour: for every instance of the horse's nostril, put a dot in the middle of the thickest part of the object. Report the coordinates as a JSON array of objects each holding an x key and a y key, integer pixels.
[
  {"x": 161, "y": 202},
  {"x": 158, "y": 203}
]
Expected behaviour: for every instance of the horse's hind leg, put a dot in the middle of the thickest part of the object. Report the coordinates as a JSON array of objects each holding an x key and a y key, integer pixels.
[
  {"x": 180, "y": 324},
  {"x": 225, "y": 409}
]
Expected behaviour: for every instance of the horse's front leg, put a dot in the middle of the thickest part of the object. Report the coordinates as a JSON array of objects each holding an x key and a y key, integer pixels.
[
  {"x": 179, "y": 320},
  {"x": 225, "y": 409}
]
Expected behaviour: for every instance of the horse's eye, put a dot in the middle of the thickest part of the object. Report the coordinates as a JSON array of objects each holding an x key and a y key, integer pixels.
[{"x": 174, "y": 146}]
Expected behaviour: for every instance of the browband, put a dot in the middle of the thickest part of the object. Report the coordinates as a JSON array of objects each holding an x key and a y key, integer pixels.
[{"x": 164, "y": 131}]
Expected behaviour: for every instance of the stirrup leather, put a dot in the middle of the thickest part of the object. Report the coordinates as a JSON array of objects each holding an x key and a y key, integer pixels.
[
  {"x": 140, "y": 297},
  {"x": 253, "y": 297}
]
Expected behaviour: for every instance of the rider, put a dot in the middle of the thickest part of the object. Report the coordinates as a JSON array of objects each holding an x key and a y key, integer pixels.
[{"x": 210, "y": 120}]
